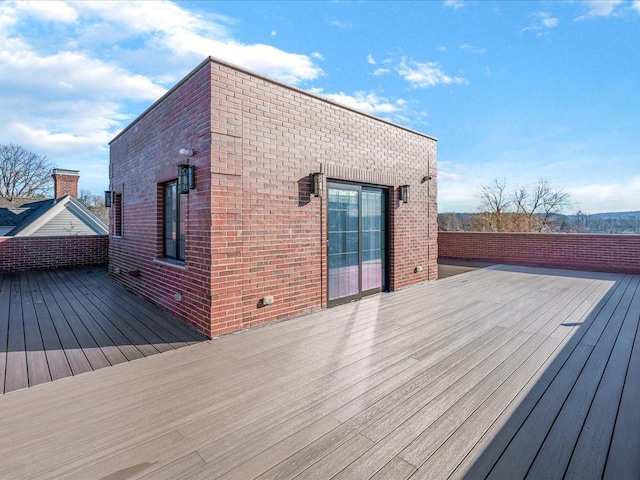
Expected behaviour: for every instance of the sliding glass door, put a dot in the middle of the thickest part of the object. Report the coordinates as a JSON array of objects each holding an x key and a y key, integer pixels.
[{"x": 357, "y": 241}]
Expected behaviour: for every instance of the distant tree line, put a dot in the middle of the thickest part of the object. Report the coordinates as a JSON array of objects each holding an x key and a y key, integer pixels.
[
  {"x": 603, "y": 223},
  {"x": 523, "y": 209},
  {"x": 534, "y": 209}
]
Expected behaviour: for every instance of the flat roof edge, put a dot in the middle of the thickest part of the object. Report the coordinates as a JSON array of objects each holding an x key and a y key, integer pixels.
[{"x": 218, "y": 61}]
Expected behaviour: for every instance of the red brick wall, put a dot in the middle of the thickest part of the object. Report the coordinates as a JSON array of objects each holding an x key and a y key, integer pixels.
[
  {"x": 144, "y": 157},
  {"x": 65, "y": 184},
  {"x": 605, "y": 253},
  {"x": 33, "y": 253},
  {"x": 254, "y": 229}
]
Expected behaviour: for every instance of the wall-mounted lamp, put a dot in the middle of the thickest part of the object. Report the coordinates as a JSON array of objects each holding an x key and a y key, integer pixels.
[
  {"x": 404, "y": 193},
  {"x": 187, "y": 152},
  {"x": 186, "y": 178},
  {"x": 317, "y": 184},
  {"x": 108, "y": 198},
  {"x": 426, "y": 178}
]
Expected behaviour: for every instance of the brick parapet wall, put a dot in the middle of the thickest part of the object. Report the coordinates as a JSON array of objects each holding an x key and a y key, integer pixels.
[
  {"x": 37, "y": 253},
  {"x": 603, "y": 253}
]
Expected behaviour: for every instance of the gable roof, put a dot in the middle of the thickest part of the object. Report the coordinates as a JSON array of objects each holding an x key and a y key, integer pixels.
[
  {"x": 65, "y": 216},
  {"x": 16, "y": 211}
]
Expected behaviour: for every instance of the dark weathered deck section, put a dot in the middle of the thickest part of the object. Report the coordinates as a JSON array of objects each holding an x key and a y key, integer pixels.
[
  {"x": 504, "y": 373},
  {"x": 54, "y": 324}
]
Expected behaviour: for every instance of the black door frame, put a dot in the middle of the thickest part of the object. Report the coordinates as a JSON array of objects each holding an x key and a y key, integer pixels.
[{"x": 386, "y": 218}]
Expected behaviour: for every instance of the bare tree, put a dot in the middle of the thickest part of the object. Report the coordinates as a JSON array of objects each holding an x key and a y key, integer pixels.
[
  {"x": 23, "y": 173},
  {"x": 90, "y": 200},
  {"x": 524, "y": 210},
  {"x": 494, "y": 204}
]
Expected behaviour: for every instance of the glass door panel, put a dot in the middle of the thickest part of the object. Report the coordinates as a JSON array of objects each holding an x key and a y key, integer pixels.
[
  {"x": 373, "y": 239},
  {"x": 344, "y": 243}
]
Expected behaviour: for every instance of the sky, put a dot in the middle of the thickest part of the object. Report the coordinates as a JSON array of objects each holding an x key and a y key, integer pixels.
[{"x": 514, "y": 91}]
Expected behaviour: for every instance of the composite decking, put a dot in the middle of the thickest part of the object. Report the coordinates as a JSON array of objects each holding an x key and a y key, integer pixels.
[
  {"x": 502, "y": 372},
  {"x": 58, "y": 323}
]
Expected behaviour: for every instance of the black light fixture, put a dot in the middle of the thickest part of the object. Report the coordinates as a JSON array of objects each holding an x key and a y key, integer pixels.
[
  {"x": 108, "y": 198},
  {"x": 404, "y": 193},
  {"x": 317, "y": 184},
  {"x": 186, "y": 178}
]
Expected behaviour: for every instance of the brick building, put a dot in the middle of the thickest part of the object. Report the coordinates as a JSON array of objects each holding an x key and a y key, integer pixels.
[{"x": 291, "y": 202}]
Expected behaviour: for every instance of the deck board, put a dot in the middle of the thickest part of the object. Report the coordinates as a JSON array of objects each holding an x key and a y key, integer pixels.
[
  {"x": 149, "y": 320},
  {"x": 17, "y": 375},
  {"x": 623, "y": 460},
  {"x": 73, "y": 352},
  {"x": 5, "y": 302},
  {"x": 120, "y": 333},
  {"x": 55, "y": 324},
  {"x": 589, "y": 456},
  {"x": 500, "y": 372},
  {"x": 37, "y": 365}
]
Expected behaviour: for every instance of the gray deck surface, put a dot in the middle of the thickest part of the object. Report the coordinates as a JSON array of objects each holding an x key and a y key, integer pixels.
[
  {"x": 502, "y": 373},
  {"x": 58, "y": 323}
]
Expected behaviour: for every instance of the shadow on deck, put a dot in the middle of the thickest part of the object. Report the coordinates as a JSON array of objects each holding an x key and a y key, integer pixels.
[{"x": 58, "y": 323}]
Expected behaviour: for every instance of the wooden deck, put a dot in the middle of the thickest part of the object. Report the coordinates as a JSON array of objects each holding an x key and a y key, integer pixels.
[
  {"x": 54, "y": 324},
  {"x": 501, "y": 373}
]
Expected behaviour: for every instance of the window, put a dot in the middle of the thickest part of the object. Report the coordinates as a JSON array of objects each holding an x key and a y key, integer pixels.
[
  {"x": 117, "y": 215},
  {"x": 174, "y": 216}
]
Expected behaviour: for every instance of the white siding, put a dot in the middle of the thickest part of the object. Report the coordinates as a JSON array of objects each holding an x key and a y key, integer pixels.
[{"x": 64, "y": 223}]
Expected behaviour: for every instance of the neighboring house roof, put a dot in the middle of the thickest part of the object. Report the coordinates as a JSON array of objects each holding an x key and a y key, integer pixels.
[
  {"x": 44, "y": 218},
  {"x": 101, "y": 212}
]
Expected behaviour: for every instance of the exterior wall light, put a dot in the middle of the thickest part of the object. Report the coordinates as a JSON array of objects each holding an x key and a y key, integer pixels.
[
  {"x": 317, "y": 184},
  {"x": 187, "y": 152},
  {"x": 186, "y": 178},
  {"x": 108, "y": 198},
  {"x": 404, "y": 193}
]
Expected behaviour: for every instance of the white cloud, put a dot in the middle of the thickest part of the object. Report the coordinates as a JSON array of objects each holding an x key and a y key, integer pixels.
[
  {"x": 636, "y": 5},
  {"x": 442, "y": 49},
  {"x": 371, "y": 60},
  {"x": 454, "y": 4},
  {"x": 59, "y": 143},
  {"x": 423, "y": 75},
  {"x": 189, "y": 35},
  {"x": 75, "y": 73},
  {"x": 472, "y": 49},
  {"x": 52, "y": 11},
  {"x": 543, "y": 22},
  {"x": 606, "y": 197},
  {"x": 380, "y": 71},
  {"x": 599, "y": 8},
  {"x": 367, "y": 102},
  {"x": 339, "y": 24},
  {"x": 67, "y": 89},
  {"x": 457, "y": 188}
]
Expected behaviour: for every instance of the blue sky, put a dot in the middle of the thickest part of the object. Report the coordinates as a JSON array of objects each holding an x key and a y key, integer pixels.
[{"x": 513, "y": 90}]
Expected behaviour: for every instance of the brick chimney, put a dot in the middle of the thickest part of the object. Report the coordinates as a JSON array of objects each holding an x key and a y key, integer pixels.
[{"x": 65, "y": 182}]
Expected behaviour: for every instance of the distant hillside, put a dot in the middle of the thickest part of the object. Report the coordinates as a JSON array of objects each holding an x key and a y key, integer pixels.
[{"x": 615, "y": 215}]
